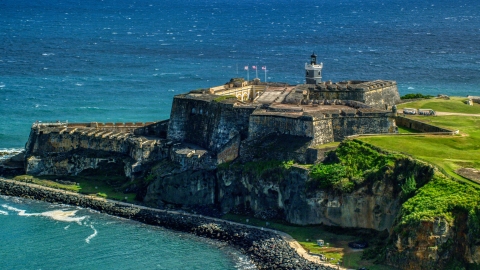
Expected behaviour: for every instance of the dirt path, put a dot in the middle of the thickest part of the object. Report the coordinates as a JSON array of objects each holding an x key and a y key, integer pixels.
[
  {"x": 460, "y": 114},
  {"x": 450, "y": 113}
]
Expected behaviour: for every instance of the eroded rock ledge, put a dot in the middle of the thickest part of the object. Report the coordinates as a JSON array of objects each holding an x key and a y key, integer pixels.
[{"x": 267, "y": 249}]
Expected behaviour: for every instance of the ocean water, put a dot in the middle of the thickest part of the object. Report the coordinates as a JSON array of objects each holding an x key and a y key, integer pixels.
[
  {"x": 38, "y": 235},
  {"x": 124, "y": 60}
]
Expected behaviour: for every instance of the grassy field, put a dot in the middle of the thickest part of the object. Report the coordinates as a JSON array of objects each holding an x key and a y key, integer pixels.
[
  {"x": 103, "y": 186},
  {"x": 454, "y": 104},
  {"x": 447, "y": 152}
]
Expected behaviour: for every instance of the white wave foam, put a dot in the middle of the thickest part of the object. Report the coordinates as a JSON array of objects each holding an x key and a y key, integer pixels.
[
  {"x": 410, "y": 88},
  {"x": 20, "y": 212},
  {"x": 67, "y": 216},
  {"x": 48, "y": 54},
  {"x": 5, "y": 213},
  {"x": 2, "y": 85},
  {"x": 90, "y": 237},
  {"x": 66, "y": 227},
  {"x": 60, "y": 215},
  {"x": 6, "y": 153}
]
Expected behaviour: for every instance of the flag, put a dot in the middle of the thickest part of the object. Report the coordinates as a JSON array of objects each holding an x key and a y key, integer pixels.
[
  {"x": 254, "y": 67},
  {"x": 264, "y": 68},
  {"x": 246, "y": 68}
]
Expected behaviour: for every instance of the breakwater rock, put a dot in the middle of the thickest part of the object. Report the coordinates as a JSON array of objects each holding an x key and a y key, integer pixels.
[{"x": 266, "y": 248}]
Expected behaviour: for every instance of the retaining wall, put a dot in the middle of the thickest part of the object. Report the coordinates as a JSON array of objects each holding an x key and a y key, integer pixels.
[{"x": 420, "y": 126}]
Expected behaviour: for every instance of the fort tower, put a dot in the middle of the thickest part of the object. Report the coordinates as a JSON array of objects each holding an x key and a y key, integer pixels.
[{"x": 313, "y": 72}]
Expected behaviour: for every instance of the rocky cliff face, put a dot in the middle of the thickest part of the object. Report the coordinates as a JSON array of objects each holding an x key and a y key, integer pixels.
[
  {"x": 372, "y": 207},
  {"x": 435, "y": 244}
]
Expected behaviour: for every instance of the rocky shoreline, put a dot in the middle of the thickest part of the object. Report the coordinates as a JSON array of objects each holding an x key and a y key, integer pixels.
[{"x": 266, "y": 248}]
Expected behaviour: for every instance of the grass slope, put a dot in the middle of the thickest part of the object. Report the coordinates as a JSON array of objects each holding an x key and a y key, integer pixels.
[
  {"x": 447, "y": 152},
  {"x": 454, "y": 104}
]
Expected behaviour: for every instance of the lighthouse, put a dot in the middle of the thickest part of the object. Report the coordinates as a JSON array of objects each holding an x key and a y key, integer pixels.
[{"x": 313, "y": 71}]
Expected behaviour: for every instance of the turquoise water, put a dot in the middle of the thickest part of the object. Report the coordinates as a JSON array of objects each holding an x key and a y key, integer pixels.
[
  {"x": 38, "y": 235},
  {"x": 123, "y": 61}
]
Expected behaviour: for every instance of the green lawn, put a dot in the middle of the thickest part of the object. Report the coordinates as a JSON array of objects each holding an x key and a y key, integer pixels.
[
  {"x": 454, "y": 104},
  {"x": 447, "y": 152}
]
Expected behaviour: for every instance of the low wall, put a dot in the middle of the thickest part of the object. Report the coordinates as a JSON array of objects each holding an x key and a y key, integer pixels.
[
  {"x": 267, "y": 249},
  {"x": 420, "y": 126}
]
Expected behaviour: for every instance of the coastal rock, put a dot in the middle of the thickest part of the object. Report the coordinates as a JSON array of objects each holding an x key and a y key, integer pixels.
[{"x": 266, "y": 248}]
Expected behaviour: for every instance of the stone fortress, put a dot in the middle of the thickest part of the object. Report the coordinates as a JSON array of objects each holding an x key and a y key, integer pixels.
[
  {"x": 238, "y": 122},
  {"x": 207, "y": 126},
  {"x": 219, "y": 118}
]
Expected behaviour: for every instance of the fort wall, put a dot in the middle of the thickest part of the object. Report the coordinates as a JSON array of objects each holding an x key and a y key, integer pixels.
[
  {"x": 372, "y": 124},
  {"x": 377, "y": 94},
  {"x": 262, "y": 125},
  {"x": 60, "y": 150},
  {"x": 383, "y": 97},
  {"x": 207, "y": 123}
]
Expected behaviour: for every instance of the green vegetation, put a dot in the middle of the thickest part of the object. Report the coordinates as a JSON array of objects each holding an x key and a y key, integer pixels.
[
  {"x": 47, "y": 182},
  {"x": 102, "y": 186},
  {"x": 414, "y": 96},
  {"x": 449, "y": 153},
  {"x": 222, "y": 98},
  {"x": 405, "y": 130},
  {"x": 268, "y": 170},
  {"x": 447, "y": 195},
  {"x": 409, "y": 187},
  {"x": 355, "y": 162},
  {"x": 454, "y": 104},
  {"x": 441, "y": 197},
  {"x": 327, "y": 145},
  {"x": 103, "y": 195}
]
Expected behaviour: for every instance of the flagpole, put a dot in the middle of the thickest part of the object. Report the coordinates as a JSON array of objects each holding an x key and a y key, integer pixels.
[{"x": 265, "y": 70}]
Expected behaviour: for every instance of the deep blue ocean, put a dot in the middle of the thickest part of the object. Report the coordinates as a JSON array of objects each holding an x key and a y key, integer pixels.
[{"x": 123, "y": 61}]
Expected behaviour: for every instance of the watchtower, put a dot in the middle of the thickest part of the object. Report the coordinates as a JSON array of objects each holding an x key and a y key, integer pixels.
[{"x": 313, "y": 72}]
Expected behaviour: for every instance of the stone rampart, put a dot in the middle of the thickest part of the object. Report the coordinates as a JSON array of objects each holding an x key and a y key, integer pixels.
[
  {"x": 266, "y": 248},
  {"x": 377, "y": 94},
  {"x": 262, "y": 125},
  {"x": 347, "y": 126},
  {"x": 420, "y": 126},
  {"x": 61, "y": 150},
  {"x": 321, "y": 128},
  {"x": 201, "y": 120}
]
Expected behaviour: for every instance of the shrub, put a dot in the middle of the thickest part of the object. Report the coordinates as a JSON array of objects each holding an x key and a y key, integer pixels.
[
  {"x": 409, "y": 187},
  {"x": 103, "y": 195},
  {"x": 414, "y": 96}
]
